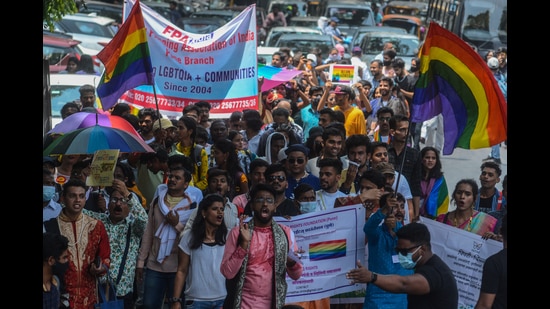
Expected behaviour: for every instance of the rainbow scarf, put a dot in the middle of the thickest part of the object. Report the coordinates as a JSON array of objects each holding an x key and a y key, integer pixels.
[
  {"x": 127, "y": 60},
  {"x": 456, "y": 82},
  {"x": 437, "y": 201}
]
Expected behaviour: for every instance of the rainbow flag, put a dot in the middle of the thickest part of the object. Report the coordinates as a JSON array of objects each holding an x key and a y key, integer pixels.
[
  {"x": 327, "y": 250},
  {"x": 456, "y": 82},
  {"x": 438, "y": 200},
  {"x": 274, "y": 76},
  {"x": 127, "y": 60}
]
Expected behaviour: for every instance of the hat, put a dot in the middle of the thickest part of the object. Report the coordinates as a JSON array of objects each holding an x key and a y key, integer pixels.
[
  {"x": 282, "y": 154},
  {"x": 297, "y": 147},
  {"x": 313, "y": 58},
  {"x": 49, "y": 160},
  {"x": 493, "y": 63},
  {"x": 339, "y": 90},
  {"x": 385, "y": 168},
  {"x": 334, "y": 19},
  {"x": 357, "y": 49},
  {"x": 165, "y": 123},
  {"x": 273, "y": 96}
]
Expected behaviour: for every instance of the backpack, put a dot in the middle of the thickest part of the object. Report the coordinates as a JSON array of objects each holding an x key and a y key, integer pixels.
[{"x": 196, "y": 157}]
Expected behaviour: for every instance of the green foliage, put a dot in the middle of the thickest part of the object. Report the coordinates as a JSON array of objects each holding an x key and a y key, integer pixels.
[{"x": 54, "y": 10}]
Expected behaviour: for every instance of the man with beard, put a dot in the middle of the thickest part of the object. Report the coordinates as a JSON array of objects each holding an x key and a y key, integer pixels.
[
  {"x": 354, "y": 117},
  {"x": 276, "y": 177},
  {"x": 387, "y": 99},
  {"x": 55, "y": 257},
  {"x": 357, "y": 146},
  {"x": 258, "y": 255},
  {"x": 125, "y": 223},
  {"x": 382, "y": 131},
  {"x": 334, "y": 136}
]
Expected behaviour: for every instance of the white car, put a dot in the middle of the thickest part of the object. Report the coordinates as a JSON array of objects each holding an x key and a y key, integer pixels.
[
  {"x": 91, "y": 30},
  {"x": 276, "y": 32},
  {"x": 64, "y": 88}
]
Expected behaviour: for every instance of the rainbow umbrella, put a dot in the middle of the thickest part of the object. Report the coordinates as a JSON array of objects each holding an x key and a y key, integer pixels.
[
  {"x": 84, "y": 119},
  {"x": 89, "y": 140}
]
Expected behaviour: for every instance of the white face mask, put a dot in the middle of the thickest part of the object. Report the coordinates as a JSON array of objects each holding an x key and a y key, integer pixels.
[
  {"x": 334, "y": 57},
  {"x": 306, "y": 207}
]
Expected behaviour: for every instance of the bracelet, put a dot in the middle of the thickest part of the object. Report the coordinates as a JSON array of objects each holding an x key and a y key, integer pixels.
[
  {"x": 172, "y": 300},
  {"x": 373, "y": 277}
]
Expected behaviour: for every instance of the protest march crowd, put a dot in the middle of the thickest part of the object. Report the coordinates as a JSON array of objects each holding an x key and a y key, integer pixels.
[{"x": 191, "y": 224}]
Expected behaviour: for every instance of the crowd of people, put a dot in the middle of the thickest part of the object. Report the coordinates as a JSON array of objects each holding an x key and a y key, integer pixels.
[{"x": 191, "y": 224}]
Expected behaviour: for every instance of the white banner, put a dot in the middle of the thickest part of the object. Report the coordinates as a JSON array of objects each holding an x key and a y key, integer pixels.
[
  {"x": 330, "y": 243},
  {"x": 218, "y": 67},
  {"x": 465, "y": 253}
]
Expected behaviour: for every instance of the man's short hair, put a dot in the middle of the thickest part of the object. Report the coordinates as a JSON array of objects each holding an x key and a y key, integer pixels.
[{"x": 416, "y": 233}]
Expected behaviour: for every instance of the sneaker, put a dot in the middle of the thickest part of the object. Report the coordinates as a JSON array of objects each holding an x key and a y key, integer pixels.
[{"x": 489, "y": 158}]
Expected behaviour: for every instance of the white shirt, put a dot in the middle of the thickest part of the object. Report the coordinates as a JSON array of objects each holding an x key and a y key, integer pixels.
[{"x": 325, "y": 200}]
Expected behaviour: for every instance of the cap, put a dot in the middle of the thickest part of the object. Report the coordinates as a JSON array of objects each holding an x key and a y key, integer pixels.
[
  {"x": 385, "y": 168},
  {"x": 356, "y": 49},
  {"x": 339, "y": 90},
  {"x": 165, "y": 123},
  {"x": 282, "y": 154},
  {"x": 334, "y": 19},
  {"x": 297, "y": 147},
  {"x": 493, "y": 63},
  {"x": 313, "y": 58},
  {"x": 273, "y": 96}
]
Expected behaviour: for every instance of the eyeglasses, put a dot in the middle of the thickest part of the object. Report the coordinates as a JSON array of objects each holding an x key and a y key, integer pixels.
[
  {"x": 382, "y": 119},
  {"x": 405, "y": 251},
  {"x": 294, "y": 160},
  {"x": 261, "y": 200},
  {"x": 118, "y": 199},
  {"x": 278, "y": 177}
]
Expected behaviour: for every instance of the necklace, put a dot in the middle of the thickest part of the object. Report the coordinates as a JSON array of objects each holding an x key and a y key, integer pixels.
[
  {"x": 469, "y": 226},
  {"x": 400, "y": 80}
]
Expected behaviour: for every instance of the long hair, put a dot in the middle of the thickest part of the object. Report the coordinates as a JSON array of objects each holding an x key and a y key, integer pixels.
[
  {"x": 437, "y": 170},
  {"x": 198, "y": 229}
]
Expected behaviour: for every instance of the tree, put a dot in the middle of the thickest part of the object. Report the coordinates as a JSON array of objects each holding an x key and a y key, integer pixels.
[{"x": 54, "y": 10}]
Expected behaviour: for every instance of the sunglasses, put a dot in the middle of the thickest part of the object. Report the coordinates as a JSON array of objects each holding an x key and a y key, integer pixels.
[
  {"x": 279, "y": 178},
  {"x": 261, "y": 200},
  {"x": 405, "y": 251},
  {"x": 382, "y": 119},
  {"x": 294, "y": 160}
]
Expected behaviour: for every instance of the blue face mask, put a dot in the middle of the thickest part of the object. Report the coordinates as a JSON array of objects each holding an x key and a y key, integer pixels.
[
  {"x": 334, "y": 57},
  {"x": 407, "y": 261},
  {"x": 306, "y": 207},
  {"x": 48, "y": 192}
]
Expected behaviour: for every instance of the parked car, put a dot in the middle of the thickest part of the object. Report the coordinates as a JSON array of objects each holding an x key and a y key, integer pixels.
[
  {"x": 351, "y": 13},
  {"x": 411, "y": 8},
  {"x": 304, "y": 43},
  {"x": 276, "y": 32},
  {"x": 407, "y": 46},
  {"x": 413, "y": 25},
  {"x": 202, "y": 25},
  {"x": 305, "y": 21},
  {"x": 286, "y": 5},
  {"x": 57, "y": 48},
  {"x": 64, "y": 88},
  {"x": 362, "y": 31},
  {"x": 90, "y": 29},
  {"x": 111, "y": 10}
]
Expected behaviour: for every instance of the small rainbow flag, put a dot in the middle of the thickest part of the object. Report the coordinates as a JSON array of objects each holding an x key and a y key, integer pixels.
[
  {"x": 438, "y": 200},
  {"x": 326, "y": 250},
  {"x": 457, "y": 83},
  {"x": 127, "y": 60}
]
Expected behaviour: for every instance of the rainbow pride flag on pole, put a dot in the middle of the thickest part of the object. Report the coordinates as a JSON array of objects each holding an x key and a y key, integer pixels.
[
  {"x": 456, "y": 82},
  {"x": 327, "y": 250},
  {"x": 126, "y": 59}
]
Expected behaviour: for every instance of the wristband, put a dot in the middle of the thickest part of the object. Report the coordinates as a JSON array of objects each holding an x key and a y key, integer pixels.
[{"x": 172, "y": 300}]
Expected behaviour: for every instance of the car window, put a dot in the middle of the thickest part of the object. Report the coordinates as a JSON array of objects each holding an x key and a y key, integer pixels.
[
  {"x": 403, "y": 46},
  {"x": 89, "y": 28}
]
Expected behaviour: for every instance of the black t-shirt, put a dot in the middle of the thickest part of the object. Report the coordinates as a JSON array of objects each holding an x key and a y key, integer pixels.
[
  {"x": 443, "y": 290},
  {"x": 495, "y": 278},
  {"x": 286, "y": 208}
]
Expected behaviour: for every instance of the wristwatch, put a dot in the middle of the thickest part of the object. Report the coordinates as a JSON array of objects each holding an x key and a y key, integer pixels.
[{"x": 373, "y": 277}]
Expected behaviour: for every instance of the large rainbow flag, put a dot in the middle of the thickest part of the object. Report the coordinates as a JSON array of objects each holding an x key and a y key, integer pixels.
[
  {"x": 126, "y": 59},
  {"x": 327, "y": 250},
  {"x": 456, "y": 82}
]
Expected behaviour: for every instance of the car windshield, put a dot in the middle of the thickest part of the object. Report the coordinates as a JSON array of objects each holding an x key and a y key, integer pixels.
[
  {"x": 352, "y": 16},
  {"x": 410, "y": 27},
  {"x": 62, "y": 94},
  {"x": 403, "y": 46},
  {"x": 84, "y": 27}
]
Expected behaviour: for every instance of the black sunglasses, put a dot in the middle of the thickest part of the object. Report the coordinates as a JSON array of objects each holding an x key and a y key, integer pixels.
[
  {"x": 294, "y": 160},
  {"x": 405, "y": 251},
  {"x": 279, "y": 178}
]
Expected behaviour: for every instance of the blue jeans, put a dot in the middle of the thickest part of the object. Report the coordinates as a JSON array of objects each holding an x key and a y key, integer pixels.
[
  {"x": 495, "y": 151},
  {"x": 156, "y": 286},
  {"x": 193, "y": 304}
]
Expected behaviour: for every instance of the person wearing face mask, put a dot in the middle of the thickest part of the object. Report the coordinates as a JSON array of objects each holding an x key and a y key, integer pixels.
[
  {"x": 333, "y": 56},
  {"x": 50, "y": 208},
  {"x": 432, "y": 285},
  {"x": 55, "y": 261}
]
